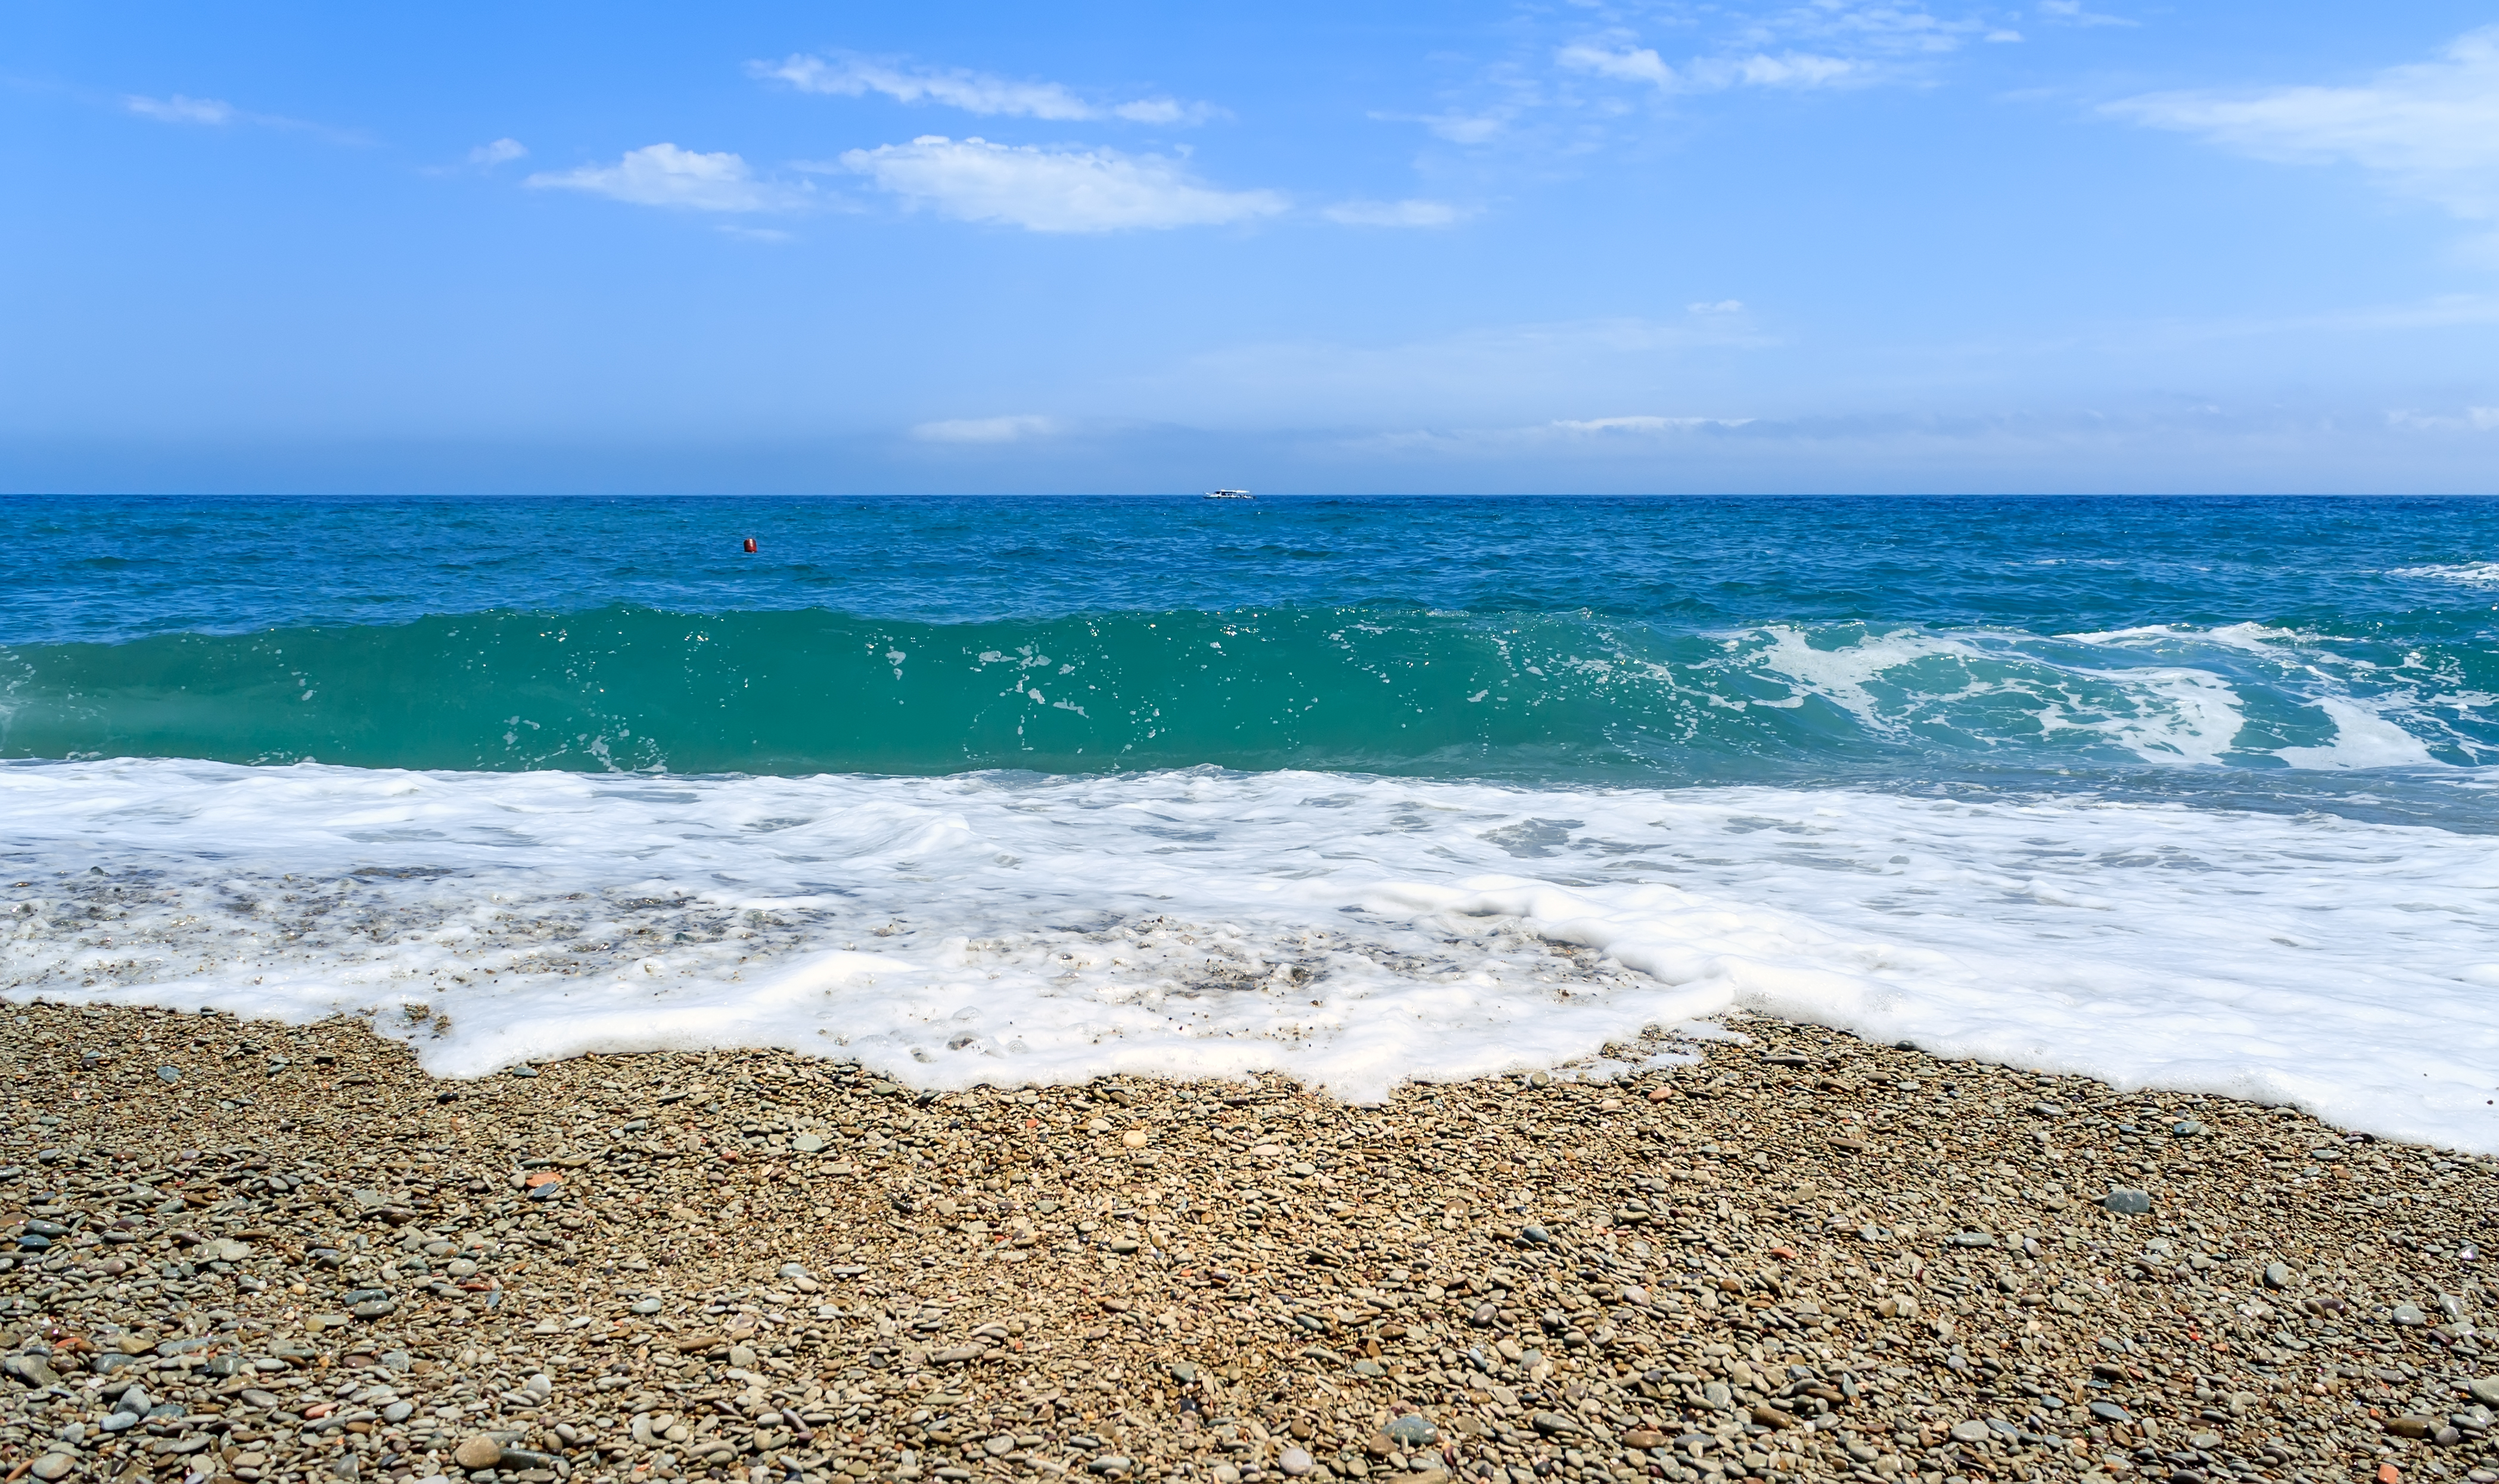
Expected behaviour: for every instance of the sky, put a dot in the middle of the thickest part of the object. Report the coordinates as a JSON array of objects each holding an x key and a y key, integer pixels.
[{"x": 1469, "y": 247}]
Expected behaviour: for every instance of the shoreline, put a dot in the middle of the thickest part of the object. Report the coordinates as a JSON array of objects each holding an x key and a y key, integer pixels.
[{"x": 1803, "y": 1256}]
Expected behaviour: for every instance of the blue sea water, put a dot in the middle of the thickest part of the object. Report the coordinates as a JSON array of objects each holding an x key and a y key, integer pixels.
[{"x": 1905, "y": 750}]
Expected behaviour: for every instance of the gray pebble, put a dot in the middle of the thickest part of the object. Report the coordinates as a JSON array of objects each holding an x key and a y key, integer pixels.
[
  {"x": 1412, "y": 1430},
  {"x": 2277, "y": 1275},
  {"x": 2408, "y": 1314},
  {"x": 170, "y": 1074},
  {"x": 1970, "y": 1432},
  {"x": 2126, "y": 1202},
  {"x": 1295, "y": 1462}
]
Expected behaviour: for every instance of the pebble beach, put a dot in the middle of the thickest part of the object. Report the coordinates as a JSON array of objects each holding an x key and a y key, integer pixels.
[{"x": 264, "y": 1253}]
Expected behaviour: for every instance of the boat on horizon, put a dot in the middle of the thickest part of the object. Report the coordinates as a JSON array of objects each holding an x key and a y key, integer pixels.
[{"x": 1229, "y": 494}]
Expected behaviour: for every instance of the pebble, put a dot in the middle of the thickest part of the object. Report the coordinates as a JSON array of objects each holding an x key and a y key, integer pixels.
[
  {"x": 54, "y": 1465},
  {"x": 1400, "y": 1232},
  {"x": 2484, "y": 1389},
  {"x": 2408, "y": 1314},
  {"x": 2127, "y": 1203},
  {"x": 478, "y": 1452},
  {"x": 1412, "y": 1430},
  {"x": 1295, "y": 1462},
  {"x": 170, "y": 1074}
]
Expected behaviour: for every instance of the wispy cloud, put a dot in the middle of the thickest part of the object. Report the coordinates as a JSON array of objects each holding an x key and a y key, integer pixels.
[
  {"x": 217, "y": 113},
  {"x": 974, "y": 93},
  {"x": 1054, "y": 189},
  {"x": 988, "y": 429},
  {"x": 1634, "y": 426},
  {"x": 666, "y": 175},
  {"x": 177, "y": 109},
  {"x": 2471, "y": 420},
  {"x": 2070, "y": 13},
  {"x": 1708, "y": 73},
  {"x": 1394, "y": 213},
  {"x": 502, "y": 152},
  {"x": 2428, "y": 129}
]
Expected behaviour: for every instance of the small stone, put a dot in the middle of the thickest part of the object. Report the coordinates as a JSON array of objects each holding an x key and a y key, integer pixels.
[
  {"x": 1540, "y": 1079},
  {"x": 999, "y": 1446},
  {"x": 2412, "y": 1426},
  {"x": 171, "y": 1075},
  {"x": 2205, "y": 1442},
  {"x": 2484, "y": 1389},
  {"x": 256, "y": 1398},
  {"x": 399, "y": 1411},
  {"x": 1536, "y": 1235},
  {"x": 2408, "y": 1314},
  {"x": 1413, "y": 1430},
  {"x": 1486, "y": 1315},
  {"x": 2110, "y": 1412},
  {"x": 1643, "y": 1438},
  {"x": 1552, "y": 1423},
  {"x": 1295, "y": 1462},
  {"x": 1370, "y": 1370},
  {"x": 1110, "y": 1464},
  {"x": 1970, "y": 1432},
  {"x": 808, "y": 1143},
  {"x": 54, "y": 1465},
  {"x": 646, "y": 1305},
  {"x": 479, "y": 1452},
  {"x": 1183, "y": 1372},
  {"x": 1136, "y": 1139},
  {"x": 2277, "y": 1275},
  {"x": 1123, "y": 1244},
  {"x": 2126, "y": 1202}
]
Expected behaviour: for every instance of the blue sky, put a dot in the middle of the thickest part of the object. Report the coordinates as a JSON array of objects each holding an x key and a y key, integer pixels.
[{"x": 1841, "y": 245}]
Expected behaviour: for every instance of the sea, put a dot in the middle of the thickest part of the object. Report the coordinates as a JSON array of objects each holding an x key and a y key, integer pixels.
[{"x": 2197, "y": 796}]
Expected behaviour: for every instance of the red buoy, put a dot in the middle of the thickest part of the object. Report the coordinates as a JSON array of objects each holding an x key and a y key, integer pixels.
[{"x": 749, "y": 543}]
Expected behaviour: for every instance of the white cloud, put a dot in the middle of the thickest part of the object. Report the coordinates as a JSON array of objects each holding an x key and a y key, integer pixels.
[
  {"x": 1053, "y": 189},
  {"x": 1394, "y": 213},
  {"x": 2431, "y": 129},
  {"x": 2071, "y": 13},
  {"x": 1643, "y": 425},
  {"x": 1465, "y": 128},
  {"x": 974, "y": 93},
  {"x": 1792, "y": 69},
  {"x": 502, "y": 152},
  {"x": 181, "y": 110},
  {"x": 988, "y": 429},
  {"x": 2474, "y": 420},
  {"x": 1627, "y": 65},
  {"x": 1716, "y": 307},
  {"x": 666, "y": 175}
]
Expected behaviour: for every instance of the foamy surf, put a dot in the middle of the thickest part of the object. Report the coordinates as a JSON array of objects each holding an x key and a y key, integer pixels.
[{"x": 1356, "y": 932}]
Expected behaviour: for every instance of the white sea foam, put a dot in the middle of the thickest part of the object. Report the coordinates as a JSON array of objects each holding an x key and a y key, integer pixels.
[
  {"x": 2471, "y": 574},
  {"x": 1353, "y": 931}
]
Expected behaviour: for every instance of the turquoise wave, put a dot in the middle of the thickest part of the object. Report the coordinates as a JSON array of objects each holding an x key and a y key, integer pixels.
[{"x": 1388, "y": 690}]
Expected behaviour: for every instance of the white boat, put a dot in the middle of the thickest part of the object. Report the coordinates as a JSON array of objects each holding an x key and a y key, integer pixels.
[{"x": 1227, "y": 494}]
